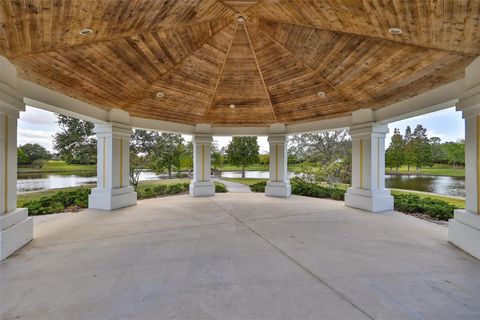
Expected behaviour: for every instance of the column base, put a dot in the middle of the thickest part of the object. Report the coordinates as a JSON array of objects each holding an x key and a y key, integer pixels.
[
  {"x": 464, "y": 231},
  {"x": 278, "y": 189},
  {"x": 369, "y": 200},
  {"x": 110, "y": 199},
  {"x": 16, "y": 230},
  {"x": 202, "y": 188}
]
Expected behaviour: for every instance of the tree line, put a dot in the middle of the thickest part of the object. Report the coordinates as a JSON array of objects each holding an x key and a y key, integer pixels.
[{"x": 415, "y": 150}]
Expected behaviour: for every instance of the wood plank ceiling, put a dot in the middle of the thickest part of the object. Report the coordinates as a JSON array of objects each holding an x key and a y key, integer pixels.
[{"x": 210, "y": 68}]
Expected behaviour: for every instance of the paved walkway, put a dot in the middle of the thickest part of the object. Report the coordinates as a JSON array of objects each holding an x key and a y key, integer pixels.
[
  {"x": 239, "y": 256},
  {"x": 233, "y": 186}
]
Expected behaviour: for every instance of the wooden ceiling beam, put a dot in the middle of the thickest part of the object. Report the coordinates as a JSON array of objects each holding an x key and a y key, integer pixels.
[
  {"x": 260, "y": 72},
  {"x": 79, "y": 45},
  {"x": 173, "y": 68},
  {"x": 222, "y": 69},
  {"x": 256, "y": 20},
  {"x": 341, "y": 92}
]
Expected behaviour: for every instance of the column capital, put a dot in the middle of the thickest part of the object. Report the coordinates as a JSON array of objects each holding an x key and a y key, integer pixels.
[
  {"x": 368, "y": 129},
  {"x": 277, "y": 138},
  {"x": 11, "y": 101},
  {"x": 202, "y": 138},
  {"x": 112, "y": 128},
  {"x": 469, "y": 102}
]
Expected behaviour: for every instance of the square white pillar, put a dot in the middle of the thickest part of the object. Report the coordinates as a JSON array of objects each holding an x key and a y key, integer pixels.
[
  {"x": 113, "y": 164},
  {"x": 464, "y": 228},
  {"x": 368, "y": 169},
  {"x": 202, "y": 185},
  {"x": 278, "y": 184},
  {"x": 16, "y": 228}
]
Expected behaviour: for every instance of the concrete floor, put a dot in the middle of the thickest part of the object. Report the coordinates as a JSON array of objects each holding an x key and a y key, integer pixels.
[{"x": 239, "y": 256}]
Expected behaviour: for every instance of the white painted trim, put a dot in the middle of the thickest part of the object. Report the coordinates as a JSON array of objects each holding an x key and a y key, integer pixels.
[{"x": 434, "y": 100}]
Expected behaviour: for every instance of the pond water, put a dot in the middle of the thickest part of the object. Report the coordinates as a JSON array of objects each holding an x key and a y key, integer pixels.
[
  {"x": 27, "y": 182},
  {"x": 452, "y": 186}
]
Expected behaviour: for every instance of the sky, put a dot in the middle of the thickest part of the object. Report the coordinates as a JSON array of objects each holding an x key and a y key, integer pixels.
[{"x": 38, "y": 126}]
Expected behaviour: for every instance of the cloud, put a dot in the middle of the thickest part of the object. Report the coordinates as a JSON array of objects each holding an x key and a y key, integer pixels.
[
  {"x": 36, "y": 116},
  {"x": 43, "y": 138}
]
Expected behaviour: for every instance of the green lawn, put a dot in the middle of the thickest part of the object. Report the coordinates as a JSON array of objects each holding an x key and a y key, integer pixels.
[
  {"x": 247, "y": 181},
  {"x": 436, "y": 169},
  {"x": 261, "y": 167},
  {"x": 58, "y": 166}
]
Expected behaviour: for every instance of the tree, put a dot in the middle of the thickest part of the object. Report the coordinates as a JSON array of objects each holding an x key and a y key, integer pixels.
[
  {"x": 437, "y": 151},
  {"x": 421, "y": 148},
  {"x": 167, "y": 152},
  {"x": 186, "y": 158},
  {"x": 455, "y": 152},
  {"x": 31, "y": 152},
  {"x": 322, "y": 147},
  {"x": 217, "y": 156},
  {"x": 21, "y": 156},
  {"x": 395, "y": 154},
  {"x": 409, "y": 149},
  {"x": 141, "y": 146},
  {"x": 75, "y": 142},
  {"x": 243, "y": 151}
]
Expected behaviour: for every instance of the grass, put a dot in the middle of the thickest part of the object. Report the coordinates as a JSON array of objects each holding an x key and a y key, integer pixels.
[
  {"x": 259, "y": 167},
  {"x": 58, "y": 166},
  {"x": 435, "y": 170},
  {"x": 246, "y": 181}
]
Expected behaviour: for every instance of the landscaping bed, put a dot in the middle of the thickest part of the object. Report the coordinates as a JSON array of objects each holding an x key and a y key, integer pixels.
[
  {"x": 76, "y": 199},
  {"x": 420, "y": 206}
]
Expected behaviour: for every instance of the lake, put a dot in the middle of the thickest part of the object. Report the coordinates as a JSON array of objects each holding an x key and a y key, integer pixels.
[
  {"x": 27, "y": 182},
  {"x": 452, "y": 186}
]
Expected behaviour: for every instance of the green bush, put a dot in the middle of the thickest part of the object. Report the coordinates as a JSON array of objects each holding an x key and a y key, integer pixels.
[
  {"x": 411, "y": 203},
  {"x": 58, "y": 202},
  {"x": 258, "y": 187},
  {"x": 220, "y": 188},
  {"x": 161, "y": 190},
  {"x": 309, "y": 189}
]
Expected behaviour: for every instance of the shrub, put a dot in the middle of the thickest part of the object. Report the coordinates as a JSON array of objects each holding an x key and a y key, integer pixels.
[
  {"x": 220, "y": 188},
  {"x": 258, "y": 187},
  {"x": 161, "y": 190},
  {"x": 58, "y": 202},
  {"x": 309, "y": 189},
  {"x": 411, "y": 203}
]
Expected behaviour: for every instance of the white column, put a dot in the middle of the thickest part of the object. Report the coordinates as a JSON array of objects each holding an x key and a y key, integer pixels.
[
  {"x": 113, "y": 162},
  {"x": 368, "y": 169},
  {"x": 16, "y": 228},
  {"x": 464, "y": 229},
  {"x": 279, "y": 184},
  {"x": 201, "y": 184}
]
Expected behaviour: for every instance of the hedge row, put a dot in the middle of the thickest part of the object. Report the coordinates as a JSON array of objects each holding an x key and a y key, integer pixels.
[
  {"x": 407, "y": 203},
  {"x": 62, "y": 201},
  {"x": 411, "y": 203},
  {"x": 58, "y": 202}
]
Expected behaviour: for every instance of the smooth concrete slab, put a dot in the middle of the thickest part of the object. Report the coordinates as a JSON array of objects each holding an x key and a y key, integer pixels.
[{"x": 239, "y": 256}]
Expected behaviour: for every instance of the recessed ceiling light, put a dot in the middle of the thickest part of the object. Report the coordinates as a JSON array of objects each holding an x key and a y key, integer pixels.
[
  {"x": 232, "y": 106},
  {"x": 395, "y": 30},
  {"x": 241, "y": 18},
  {"x": 160, "y": 94},
  {"x": 321, "y": 94},
  {"x": 86, "y": 32}
]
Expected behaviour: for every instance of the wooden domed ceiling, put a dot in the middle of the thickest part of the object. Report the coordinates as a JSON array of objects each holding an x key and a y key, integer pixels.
[{"x": 192, "y": 62}]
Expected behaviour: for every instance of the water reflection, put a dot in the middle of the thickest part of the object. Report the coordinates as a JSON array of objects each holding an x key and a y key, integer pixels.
[{"x": 452, "y": 186}]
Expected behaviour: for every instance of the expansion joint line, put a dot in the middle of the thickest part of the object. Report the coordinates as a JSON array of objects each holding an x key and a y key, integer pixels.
[{"x": 311, "y": 273}]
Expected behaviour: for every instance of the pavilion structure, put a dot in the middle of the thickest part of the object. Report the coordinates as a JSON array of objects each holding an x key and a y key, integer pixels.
[{"x": 243, "y": 67}]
